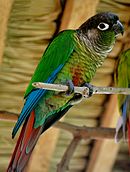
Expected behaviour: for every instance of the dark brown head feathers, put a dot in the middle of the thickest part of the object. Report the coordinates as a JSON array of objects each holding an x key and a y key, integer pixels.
[{"x": 106, "y": 17}]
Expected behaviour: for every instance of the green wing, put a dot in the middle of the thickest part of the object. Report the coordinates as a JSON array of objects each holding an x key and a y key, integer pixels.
[{"x": 57, "y": 53}]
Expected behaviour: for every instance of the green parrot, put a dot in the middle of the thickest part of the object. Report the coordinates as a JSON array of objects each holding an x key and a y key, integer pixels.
[
  {"x": 123, "y": 80},
  {"x": 71, "y": 58}
]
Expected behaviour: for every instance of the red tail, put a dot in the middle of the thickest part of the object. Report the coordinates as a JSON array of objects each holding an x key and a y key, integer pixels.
[
  {"x": 25, "y": 144},
  {"x": 128, "y": 128}
]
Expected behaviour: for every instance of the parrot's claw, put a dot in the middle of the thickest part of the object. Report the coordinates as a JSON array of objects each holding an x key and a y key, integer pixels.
[
  {"x": 77, "y": 97},
  {"x": 70, "y": 85},
  {"x": 90, "y": 87}
]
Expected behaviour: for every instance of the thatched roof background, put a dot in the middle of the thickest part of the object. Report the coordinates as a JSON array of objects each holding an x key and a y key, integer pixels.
[
  {"x": 30, "y": 27},
  {"x": 27, "y": 30}
]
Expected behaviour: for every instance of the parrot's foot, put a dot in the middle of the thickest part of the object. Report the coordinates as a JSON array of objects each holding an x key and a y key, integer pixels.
[
  {"x": 90, "y": 87},
  {"x": 70, "y": 90},
  {"x": 77, "y": 97}
]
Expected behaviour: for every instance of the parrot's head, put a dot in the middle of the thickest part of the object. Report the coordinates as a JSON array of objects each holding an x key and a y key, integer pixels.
[{"x": 101, "y": 30}]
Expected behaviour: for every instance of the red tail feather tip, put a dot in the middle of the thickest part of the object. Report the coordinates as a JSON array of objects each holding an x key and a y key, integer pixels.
[{"x": 23, "y": 150}]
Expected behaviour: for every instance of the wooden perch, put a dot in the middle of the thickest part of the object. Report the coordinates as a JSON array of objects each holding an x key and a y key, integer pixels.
[
  {"x": 83, "y": 90},
  {"x": 84, "y": 132},
  {"x": 64, "y": 163},
  {"x": 8, "y": 116}
]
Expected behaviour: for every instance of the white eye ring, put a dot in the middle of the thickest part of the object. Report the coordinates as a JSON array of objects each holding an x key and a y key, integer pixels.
[{"x": 103, "y": 26}]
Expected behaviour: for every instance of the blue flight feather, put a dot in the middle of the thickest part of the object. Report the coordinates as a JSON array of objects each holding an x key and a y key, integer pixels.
[{"x": 32, "y": 101}]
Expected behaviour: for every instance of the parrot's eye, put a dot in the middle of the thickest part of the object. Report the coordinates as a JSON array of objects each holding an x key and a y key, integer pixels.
[{"x": 103, "y": 26}]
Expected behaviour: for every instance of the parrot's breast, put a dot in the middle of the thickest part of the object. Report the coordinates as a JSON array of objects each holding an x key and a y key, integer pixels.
[{"x": 81, "y": 66}]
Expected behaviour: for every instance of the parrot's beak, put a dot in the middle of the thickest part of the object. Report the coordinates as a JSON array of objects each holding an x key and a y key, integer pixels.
[{"x": 118, "y": 28}]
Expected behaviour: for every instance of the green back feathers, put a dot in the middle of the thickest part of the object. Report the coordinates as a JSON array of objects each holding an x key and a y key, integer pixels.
[{"x": 57, "y": 53}]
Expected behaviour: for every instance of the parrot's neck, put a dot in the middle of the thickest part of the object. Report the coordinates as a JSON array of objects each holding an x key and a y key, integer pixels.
[
  {"x": 96, "y": 46},
  {"x": 92, "y": 57}
]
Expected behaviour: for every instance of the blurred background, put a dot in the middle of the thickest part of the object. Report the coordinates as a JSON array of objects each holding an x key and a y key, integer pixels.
[{"x": 26, "y": 28}]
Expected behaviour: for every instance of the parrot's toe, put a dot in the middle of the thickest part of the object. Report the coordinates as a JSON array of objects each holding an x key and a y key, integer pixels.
[
  {"x": 90, "y": 87},
  {"x": 70, "y": 85}
]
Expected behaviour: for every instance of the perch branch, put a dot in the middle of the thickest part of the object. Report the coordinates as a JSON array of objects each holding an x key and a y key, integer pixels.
[
  {"x": 82, "y": 90},
  {"x": 8, "y": 116},
  {"x": 64, "y": 163},
  {"x": 84, "y": 132}
]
